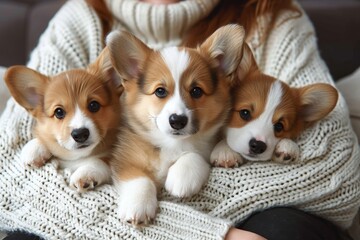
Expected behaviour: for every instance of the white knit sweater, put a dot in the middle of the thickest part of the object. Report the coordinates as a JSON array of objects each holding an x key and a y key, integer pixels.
[{"x": 326, "y": 182}]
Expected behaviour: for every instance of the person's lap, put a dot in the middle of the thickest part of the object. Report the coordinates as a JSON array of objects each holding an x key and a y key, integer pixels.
[{"x": 284, "y": 223}]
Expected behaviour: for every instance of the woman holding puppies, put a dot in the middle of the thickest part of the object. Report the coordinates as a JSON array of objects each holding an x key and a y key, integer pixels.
[{"x": 324, "y": 183}]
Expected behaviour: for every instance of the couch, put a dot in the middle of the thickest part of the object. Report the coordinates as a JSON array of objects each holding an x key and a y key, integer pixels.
[
  {"x": 337, "y": 23},
  {"x": 21, "y": 23}
]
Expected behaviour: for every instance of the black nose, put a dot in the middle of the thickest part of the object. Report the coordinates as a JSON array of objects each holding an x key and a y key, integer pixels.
[
  {"x": 80, "y": 135},
  {"x": 178, "y": 121},
  {"x": 257, "y": 147}
]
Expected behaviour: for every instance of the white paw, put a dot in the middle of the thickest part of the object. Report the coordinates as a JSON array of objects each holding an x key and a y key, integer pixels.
[
  {"x": 137, "y": 201},
  {"x": 286, "y": 151},
  {"x": 34, "y": 154},
  {"x": 89, "y": 175},
  {"x": 223, "y": 156},
  {"x": 187, "y": 176}
]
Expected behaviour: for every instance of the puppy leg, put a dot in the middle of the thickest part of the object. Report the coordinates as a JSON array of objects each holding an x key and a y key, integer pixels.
[
  {"x": 223, "y": 156},
  {"x": 91, "y": 173},
  {"x": 34, "y": 154},
  {"x": 187, "y": 175},
  {"x": 137, "y": 202},
  {"x": 286, "y": 151}
]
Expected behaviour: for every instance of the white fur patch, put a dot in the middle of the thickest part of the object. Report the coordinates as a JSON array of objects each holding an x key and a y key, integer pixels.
[
  {"x": 261, "y": 129},
  {"x": 34, "y": 154},
  {"x": 137, "y": 200},
  {"x": 177, "y": 62},
  {"x": 89, "y": 173},
  {"x": 223, "y": 156},
  {"x": 286, "y": 151},
  {"x": 175, "y": 105},
  {"x": 80, "y": 120},
  {"x": 187, "y": 176}
]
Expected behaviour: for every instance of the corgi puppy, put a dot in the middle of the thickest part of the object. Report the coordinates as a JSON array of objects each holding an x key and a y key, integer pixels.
[
  {"x": 266, "y": 114},
  {"x": 77, "y": 115},
  {"x": 176, "y": 100}
]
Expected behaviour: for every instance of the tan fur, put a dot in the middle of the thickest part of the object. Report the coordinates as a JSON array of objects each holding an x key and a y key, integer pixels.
[
  {"x": 141, "y": 104},
  {"x": 299, "y": 108},
  {"x": 259, "y": 132},
  {"x": 66, "y": 90},
  {"x": 135, "y": 157},
  {"x": 212, "y": 68}
]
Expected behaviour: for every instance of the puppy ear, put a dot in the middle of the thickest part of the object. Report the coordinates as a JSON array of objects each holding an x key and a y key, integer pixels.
[
  {"x": 103, "y": 67},
  {"x": 247, "y": 63},
  {"x": 317, "y": 101},
  {"x": 127, "y": 53},
  {"x": 224, "y": 48},
  {"x": 26, "y": 86}
]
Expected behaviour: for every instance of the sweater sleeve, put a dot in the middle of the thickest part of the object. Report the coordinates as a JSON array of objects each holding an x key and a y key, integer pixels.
[{"x": 39, "y": 200}]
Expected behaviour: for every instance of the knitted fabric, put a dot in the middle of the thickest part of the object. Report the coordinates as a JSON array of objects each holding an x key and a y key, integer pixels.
[
  {"x": 325, "y": 182},
  {"x": 146, "y": 21}
]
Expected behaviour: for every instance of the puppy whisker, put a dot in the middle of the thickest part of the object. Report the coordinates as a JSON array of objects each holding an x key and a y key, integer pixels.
[{"x": 151, "y": 117}]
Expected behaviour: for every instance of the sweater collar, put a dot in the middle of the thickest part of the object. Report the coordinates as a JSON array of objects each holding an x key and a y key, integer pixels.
[{"x": 159, "y": 25}]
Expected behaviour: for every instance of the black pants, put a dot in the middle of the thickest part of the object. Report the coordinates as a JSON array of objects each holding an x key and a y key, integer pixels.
[
  {"x": 291, "y": 224},
  {"x": 273, "y": 224}
]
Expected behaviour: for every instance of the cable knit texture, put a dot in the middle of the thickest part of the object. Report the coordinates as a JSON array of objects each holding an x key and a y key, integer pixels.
[{"x": 325, "y": 182}]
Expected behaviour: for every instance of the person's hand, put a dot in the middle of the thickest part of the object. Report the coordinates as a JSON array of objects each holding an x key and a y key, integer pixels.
[{"x": 238, "y": 234}]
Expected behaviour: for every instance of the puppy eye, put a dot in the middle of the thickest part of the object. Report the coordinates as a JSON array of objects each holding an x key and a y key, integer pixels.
[
  {"x": 245, "y": 114},
  {"x": 161, "y": 92},
  {"x": 196, "y": 92},
  {"x": 278, "y": 127},
  {"x": 94, "y": 106},
  {"x": 59, "y": 113}
]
